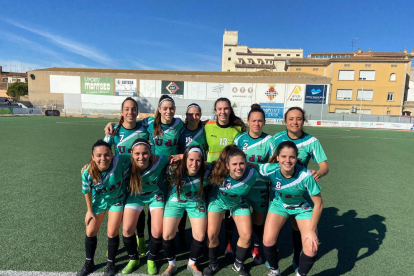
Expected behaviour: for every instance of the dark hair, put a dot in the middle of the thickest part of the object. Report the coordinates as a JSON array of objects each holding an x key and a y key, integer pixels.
[
  {"x": 178, "y": 169},
  {"x": 188, "y": 107},
  {"x": 234, "y": 121},
  {"x": 121, "y": 121},
  {"x": 93, "y": 168},
  {"x": 220, "y": 170},
  {"x": 295, "y": 108},
  {"x": 285, "y": 144},
  {"x": 256, "y": 108},
  {"x": 135, "y": 183},
  {"x": 157, "y": 119}
]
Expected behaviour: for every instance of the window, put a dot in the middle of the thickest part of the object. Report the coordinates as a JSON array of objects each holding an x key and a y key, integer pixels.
[
  {"x": 229, "y": 59},
  {"x": 5, "y": 79},
  {"x": 346, "y": 75},
  {"x": 230, "y": 50},
  {"x": 390, "y": 96},
  {"x": 278, "y": 55},
  {"x": 342, "y": 110},
  {"x": 298, "y": 55},
  {"x": 366, "y": 75},
  {"x": 250, "y": 61},
  {"x": 259, "y": 61},
  {"x": 367, "y": 95},
  {"x": 240, "y": 61},
  {"x": 363, "y": 111},
  {"x": 288, "y": 55},
  {"x": 344, "y": 94},
  {"x": 393, "y": 77},
  {"x": 388, "y": 112}
]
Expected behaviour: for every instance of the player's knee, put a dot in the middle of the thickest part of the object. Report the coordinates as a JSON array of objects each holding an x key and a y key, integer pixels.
[
  {"x": 168, "y": 236},
  {"x": 212, "y": 237},
  {"x": 245, "y": 237},
  {"x": 268, "y": 241},
  {"x": 156, "y": 232},
  {"x": 307, "y": 249},
  {"x": 199, "y": 236}
]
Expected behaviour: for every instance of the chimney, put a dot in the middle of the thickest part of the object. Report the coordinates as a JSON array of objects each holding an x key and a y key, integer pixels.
[
  {"x": 369, "y": 50},
  {"x": 359, "y": 50},
  {"x": 1, "y": 69},
  {"x": 405, "y": 50}
]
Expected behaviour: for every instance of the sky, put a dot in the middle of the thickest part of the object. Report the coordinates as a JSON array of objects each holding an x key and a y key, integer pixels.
[{"x": 188, "y": 35}]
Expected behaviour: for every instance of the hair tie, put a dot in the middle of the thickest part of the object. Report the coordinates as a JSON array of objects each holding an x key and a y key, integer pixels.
[
  {"x": 196, "y": 150},
  {"x": 166, "y": 99},
  {"x": 140, "y": 143}
]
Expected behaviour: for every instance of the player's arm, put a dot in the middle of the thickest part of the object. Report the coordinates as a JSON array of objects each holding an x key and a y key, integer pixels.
[
  {"x": 109, "y": 128},
  {"x": 319, "y": 156},
  {"x": 316, "y": 214},
  {"x": 323, "y": 170},
  {"x": 89, "y": 214}
]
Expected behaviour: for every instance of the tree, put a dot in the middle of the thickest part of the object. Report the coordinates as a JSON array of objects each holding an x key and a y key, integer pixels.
[{"x": 18, "y": 89}]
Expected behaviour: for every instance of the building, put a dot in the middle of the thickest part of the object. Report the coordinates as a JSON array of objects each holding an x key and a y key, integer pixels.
[
  {"x": 239, "y": 58},
  {"x": 408, "y": 108},
  {"x": 88, "y": 91},
  {"x": 362, "y": 82},
  {"x": 8, "y": 78}
]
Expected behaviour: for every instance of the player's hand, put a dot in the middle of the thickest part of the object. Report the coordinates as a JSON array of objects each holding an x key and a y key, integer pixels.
[
  {"x": 89, "y": 217},
  {"x": 313, "y": 239},
  {"x": 316, "y": 175},
  {"x": 84, "y": 168},
  {"x": 108, "y": 129},
  {"x": 176, "y": 158}
]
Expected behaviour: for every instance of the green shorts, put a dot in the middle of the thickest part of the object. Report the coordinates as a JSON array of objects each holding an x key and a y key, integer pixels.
[
  {"x": 154, "y": 200},
  {"x": 258, "y": 198},
  {"x": 242, "y": 208},
  {"x": 195, "y": 209},
  {"x": 101, "y": 205},
  {"x": 301, "y": 211}
]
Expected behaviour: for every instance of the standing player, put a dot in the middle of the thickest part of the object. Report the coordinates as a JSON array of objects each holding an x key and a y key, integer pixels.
[
  {"x": 309, "y": 147},
  {"x": 232, "y": 181},
  {"x": 102, "y": 185},
  {"x": 192, "y": 134},
  {"x": 219, "y": 134},
  {"x": 188, "y": 178},
  {"x": 291, "y": 182},
  {"x": 125, "y": 132},
  {"x": 144, "y": 188},
  {"x": 258, "y": 147}
]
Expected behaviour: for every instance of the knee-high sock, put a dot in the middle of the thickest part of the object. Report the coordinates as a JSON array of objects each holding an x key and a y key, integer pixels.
[
  {"x": 141, "y": 224},
  {"x": 305, "y": 264},
  {"x": 212, "y": 254},
  {"x": 271, "y": 256},
  {"x": 155, "y": 247},
  {"x": 130, "y": 244},
  {"x": 196, "y": 249},
  {"x": 241, "y": 254},
  {"x": 113, "y": 244},
  {"x": 90, "y": 247},
  {"x": 257, "y": 234},
  {"x": 169, "y": 249},
  {"x": 149, "y": 225}
]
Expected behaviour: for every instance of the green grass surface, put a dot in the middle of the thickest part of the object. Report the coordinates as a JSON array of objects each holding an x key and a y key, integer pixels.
[{"x": 365, "y": 229}]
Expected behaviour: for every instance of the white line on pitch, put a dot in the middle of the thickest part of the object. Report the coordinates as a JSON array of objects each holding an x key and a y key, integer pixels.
[{"x": 43, "y": 273}]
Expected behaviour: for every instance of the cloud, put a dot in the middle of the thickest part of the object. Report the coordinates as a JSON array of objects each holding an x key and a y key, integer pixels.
[
  {"x": 67, "y": 44},
  {"x": 140, "y": 64},
  {"x": 152, "y": 43}
]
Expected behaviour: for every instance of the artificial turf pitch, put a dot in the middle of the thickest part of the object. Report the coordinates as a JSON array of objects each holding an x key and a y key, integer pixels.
[{"x": 365, "y": 229}]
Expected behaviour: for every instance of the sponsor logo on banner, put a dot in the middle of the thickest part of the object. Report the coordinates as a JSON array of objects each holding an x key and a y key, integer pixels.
[
  {"x": 412, "y": 128},
  {"x": 275, "y": 121},
  {"x": 97, "y": 86},
  {"x": 126, "y": 87},
  {"x": 173, "y": 88},
  {"x": 315, "y": 94},
  {"x": 271, "y": 93},
  {"x": 273, "y": 110},
  {"x": 318, "y": 123},
  {"x": 234, "y": 90},
  {"x": 218, "y": 89},
  {"x": 295, "y": 94}
]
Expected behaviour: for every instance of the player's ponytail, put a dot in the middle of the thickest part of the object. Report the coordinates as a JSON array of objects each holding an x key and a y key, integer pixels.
[
  {"x": 285, "y": 144},
  {"x": 121, "y": 121},
  {"x": 220, "y": 171},
  {"x": 135, "y": 183},
  {"x": 93, "y": 168},
  {"x": 157, "y": 119}
]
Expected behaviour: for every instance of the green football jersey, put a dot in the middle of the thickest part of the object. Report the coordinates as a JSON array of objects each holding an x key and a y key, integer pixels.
[
  {"x": 190, "y": 186},
  {"x": 257, "y": 150},
  {"x": 112, "y": 181},
  {"x": 231, "y": 191},
  {"x": 290, "y": 191},
  {"x": 189, "y": 138},
  {"x": 124, "y": 138},
  {"x": 152, "y": 177},
  {"x": 166, "y": 143},
  {"x": 218, "y": 137},
  {"x": 308, "y": 147}
]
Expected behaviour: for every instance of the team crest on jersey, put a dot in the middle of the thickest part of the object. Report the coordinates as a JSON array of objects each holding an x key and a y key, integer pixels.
[{"x": 227, "y": 186}]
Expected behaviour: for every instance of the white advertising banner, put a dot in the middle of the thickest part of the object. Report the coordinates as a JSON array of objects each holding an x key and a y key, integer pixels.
[
  {"x": 295, "y": 95},
  {"x": 270, "y": 93},
  {"x": 242, "y": 96},
  {"x": 101, "y": 102},
  {"x": 195, "y": 90},
  {"x": 65, "y": 84},
  {"x": 217, "y": 90},
  {"x": 148, "y": 88},
  {"x": 126, "y": 87}
]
